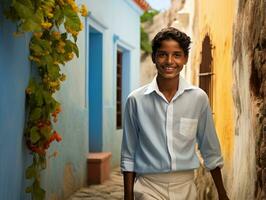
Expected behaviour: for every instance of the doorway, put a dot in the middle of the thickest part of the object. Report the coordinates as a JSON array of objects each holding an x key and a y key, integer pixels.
[{"x": 95, "y": 100}]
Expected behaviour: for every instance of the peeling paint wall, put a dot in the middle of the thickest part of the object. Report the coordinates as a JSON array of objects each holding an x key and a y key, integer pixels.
[
  {"x": 249, "y": 67},
  {"x": 215, "y": 19}
]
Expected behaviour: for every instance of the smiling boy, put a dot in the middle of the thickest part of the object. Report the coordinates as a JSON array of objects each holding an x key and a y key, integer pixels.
[{"x": 163, "y": 122}]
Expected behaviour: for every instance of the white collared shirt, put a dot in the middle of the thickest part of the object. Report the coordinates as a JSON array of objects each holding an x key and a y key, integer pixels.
[{"x": 160, "y": 136}]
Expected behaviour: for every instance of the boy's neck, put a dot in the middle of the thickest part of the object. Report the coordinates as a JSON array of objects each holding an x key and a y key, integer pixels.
[{"x": 168, "y": 86}]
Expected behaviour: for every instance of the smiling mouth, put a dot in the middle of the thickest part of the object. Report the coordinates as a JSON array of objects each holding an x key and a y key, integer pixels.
[{"x": 168, "y": 69}]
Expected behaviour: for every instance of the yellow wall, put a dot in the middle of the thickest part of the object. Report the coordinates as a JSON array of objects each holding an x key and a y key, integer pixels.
[{"x": 215, "y": 18}]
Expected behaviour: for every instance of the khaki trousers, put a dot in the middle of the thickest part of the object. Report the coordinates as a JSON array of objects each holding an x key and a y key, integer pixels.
[{"x": 165, "y": 186}]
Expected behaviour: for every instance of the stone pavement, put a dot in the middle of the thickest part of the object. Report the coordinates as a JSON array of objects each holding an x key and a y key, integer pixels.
[{"x": 110, "y": 190}]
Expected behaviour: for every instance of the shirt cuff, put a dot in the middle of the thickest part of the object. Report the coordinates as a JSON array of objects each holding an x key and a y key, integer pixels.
[
  {"x": 213, "y": 163},
  {"x": 127, "y": 166}
]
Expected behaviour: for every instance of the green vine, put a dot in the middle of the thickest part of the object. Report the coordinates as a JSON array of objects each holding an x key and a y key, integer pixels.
[
  {"x": 145, "y": 43},
  {"x": 55, "y": 25}
]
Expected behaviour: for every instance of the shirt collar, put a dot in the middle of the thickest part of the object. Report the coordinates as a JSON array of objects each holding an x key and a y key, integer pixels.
[{"x": 183, "y": 85}]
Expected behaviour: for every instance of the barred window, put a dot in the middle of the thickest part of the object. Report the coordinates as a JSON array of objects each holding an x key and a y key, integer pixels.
[
  {"x": 119, "y": 90},
  {"x": 206, "y": 71}
]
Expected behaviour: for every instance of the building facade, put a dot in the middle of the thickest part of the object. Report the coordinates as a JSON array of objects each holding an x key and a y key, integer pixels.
[{"x": 92, "y": 97}]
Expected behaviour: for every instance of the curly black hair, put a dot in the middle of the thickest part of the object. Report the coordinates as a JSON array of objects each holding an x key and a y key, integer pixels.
[{"x": 170, "y": 33}]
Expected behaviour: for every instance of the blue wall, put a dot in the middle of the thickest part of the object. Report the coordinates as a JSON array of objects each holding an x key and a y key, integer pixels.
[
  {"x": 66, "y": 173},
  {"x": 14, "y": 76},
  {"x": 119, "y": 23}
]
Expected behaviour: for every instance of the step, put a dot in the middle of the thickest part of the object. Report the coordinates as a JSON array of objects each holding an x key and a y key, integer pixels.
[{"x": 98, "y": 165}]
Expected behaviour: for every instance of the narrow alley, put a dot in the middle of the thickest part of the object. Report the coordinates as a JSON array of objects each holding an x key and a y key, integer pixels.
[
  {"x": 68, "y": 69},
  {"x": 110, "y": 189}
]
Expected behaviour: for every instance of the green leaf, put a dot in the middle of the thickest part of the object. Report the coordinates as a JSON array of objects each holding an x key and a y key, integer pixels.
[
  {"x": 53, "y": 71},
  {"x": 42, "y": 162},
  {"x": 53, "y": 104},
  {"x": 60, "y": 58},
  {"x": 58, "y": 16},
  {"x": 38, "y": 98},
  {"x": 72, "y": 19},
  {"x": 24, "y": 10},
  {"x": 38, "y": 15},
  {"x": 32, "y": 85},
  {"x": 148, "y": 16},
  {"x": 33, "y": 23},
  {"x": 47, "y": 60},
  {"x": 36, "y": 48},
  {"x": 64, "y": 36},
  {"x": 34, "y": 134},
  {"x": 68, "y": 46},
  {"x": 45, "y": 44},
  {"x": 36, "y": 114},
  {"x": 145, "y": 43},
  {"x": 38, "y": 3},
  {"x": 45, "y": 131},
  {"x": 38, "y": 193},
  {"x": 71, "y": 47},
  {"x": 76, "y": 49},
  {"x": 30, "y": 25},
  {"x": 47, "y": 97},
  {"x": 30, "y": 172}
]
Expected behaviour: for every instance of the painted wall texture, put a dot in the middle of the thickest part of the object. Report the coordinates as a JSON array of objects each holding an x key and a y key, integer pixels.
[
  {"x": 14, "y": 74},
  {"x": 215, "y": 19},
  {"x": 118, "y": 21},
  {"x": 118, "y": 24},
  {"x": 15, "y": 71},
  {"x": 249, "y": 69},
  {"x": 213, "y": 23}
]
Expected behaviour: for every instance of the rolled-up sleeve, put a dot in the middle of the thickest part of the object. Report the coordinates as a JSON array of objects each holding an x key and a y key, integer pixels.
[
  {"x": 130, "y": 137},
  {"x": 208, "y": 142}
]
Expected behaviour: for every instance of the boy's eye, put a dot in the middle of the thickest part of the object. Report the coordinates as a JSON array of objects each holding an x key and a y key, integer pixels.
[
  {"x": 162, "y": 54},
  {"x": 177, "y": 55}
]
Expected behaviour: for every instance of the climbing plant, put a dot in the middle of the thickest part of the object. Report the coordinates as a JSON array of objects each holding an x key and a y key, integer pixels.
[
  {"x": 54, "y": 25},
  {"x": 145, "y": 43}
]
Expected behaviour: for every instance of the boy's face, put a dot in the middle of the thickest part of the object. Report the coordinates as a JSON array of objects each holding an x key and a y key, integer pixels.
[{"x": 170, "y": 59}]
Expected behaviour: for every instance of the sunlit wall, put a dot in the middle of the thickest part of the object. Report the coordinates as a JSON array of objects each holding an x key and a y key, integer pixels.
[{"x": 215, "y": 19}]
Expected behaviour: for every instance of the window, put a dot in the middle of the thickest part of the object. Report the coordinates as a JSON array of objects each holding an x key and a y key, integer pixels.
[
  {"x": 122, "y": 63},
  {"x": 119, "y": 56},
  {"x": 206, "y": 73}
]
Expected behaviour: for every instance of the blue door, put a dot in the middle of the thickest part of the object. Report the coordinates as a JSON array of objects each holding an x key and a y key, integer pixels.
[{"x": 95, "y": 90}]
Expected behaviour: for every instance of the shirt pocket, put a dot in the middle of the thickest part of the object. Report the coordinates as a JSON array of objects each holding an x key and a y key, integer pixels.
[{"x": 188, "y": 127}]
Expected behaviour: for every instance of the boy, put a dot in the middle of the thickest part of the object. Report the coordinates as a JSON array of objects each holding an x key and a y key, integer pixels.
[{"x": 163, "y": 122}]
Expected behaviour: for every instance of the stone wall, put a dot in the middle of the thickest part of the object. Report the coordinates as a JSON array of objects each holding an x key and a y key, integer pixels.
[{"x": 249, "y": 68}]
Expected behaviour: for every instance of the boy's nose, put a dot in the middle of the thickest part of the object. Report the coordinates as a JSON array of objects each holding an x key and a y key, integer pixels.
[{"x": 170, "y": 59}]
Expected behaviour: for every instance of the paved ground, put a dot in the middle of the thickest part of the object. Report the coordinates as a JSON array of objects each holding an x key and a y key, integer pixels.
[{"x": 110, "y": 190}]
